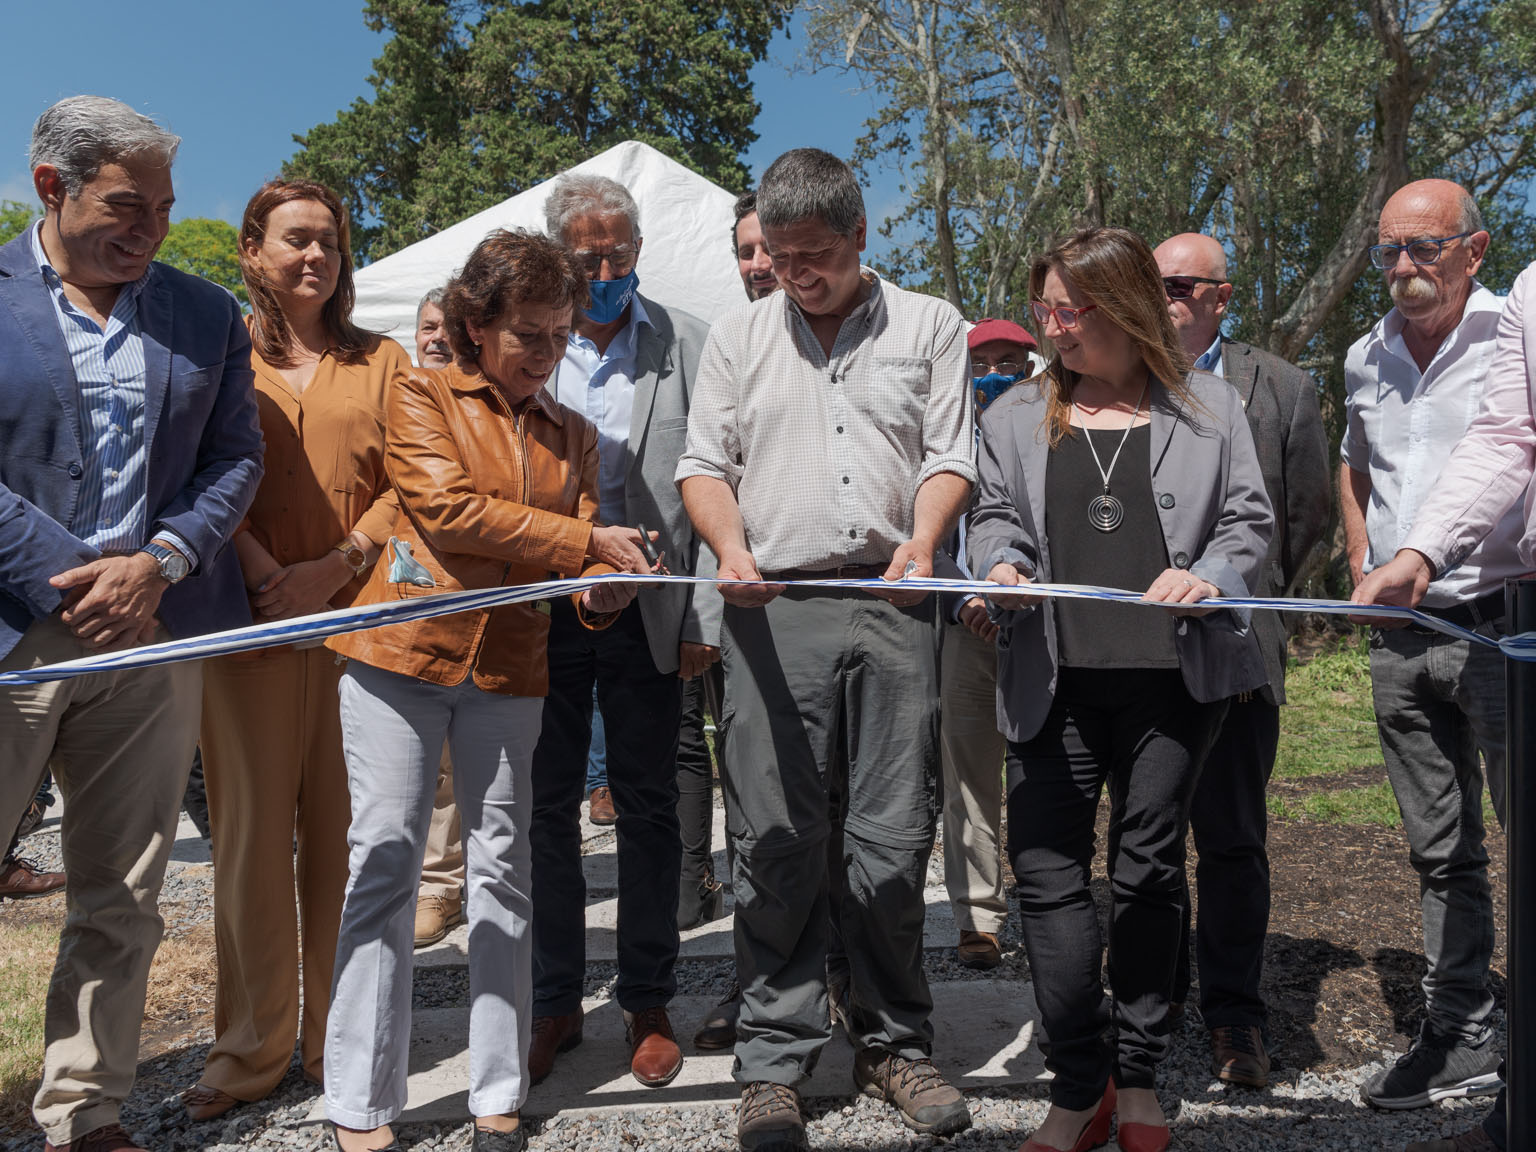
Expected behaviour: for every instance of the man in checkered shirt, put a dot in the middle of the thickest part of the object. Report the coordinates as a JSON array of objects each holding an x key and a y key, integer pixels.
[{"x": 830, "y": 436}]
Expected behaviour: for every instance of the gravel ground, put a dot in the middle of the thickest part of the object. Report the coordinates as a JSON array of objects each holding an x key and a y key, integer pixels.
[{"x": 1301, "y": 1110}]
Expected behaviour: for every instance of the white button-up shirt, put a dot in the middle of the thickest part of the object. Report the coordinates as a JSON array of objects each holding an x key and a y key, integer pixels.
[
  {"x": 826, "y": 454},
  {"x": 1401, "y": 427},
  {"x": 601, "y": 386}
]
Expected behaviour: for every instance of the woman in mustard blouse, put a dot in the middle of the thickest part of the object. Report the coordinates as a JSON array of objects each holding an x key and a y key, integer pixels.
[{"x": 271, "y": 737}]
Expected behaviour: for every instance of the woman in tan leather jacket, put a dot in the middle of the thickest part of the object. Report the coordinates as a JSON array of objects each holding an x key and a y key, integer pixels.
[{"x": 497, "y": 486}]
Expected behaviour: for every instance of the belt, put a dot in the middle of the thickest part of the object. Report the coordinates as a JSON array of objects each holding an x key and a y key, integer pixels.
[
  {"x": 1471, "y": 614},
  {"x": 846, "y": 572}
]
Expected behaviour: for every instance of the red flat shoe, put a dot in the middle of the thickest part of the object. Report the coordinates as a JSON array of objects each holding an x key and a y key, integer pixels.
[
  {"x": 1142, "y": 1137},
  {"x": 1095, "y": 1133}
]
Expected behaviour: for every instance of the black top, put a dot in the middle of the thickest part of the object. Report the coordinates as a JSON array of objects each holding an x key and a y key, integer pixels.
[{"x": 1093, "y": 633}]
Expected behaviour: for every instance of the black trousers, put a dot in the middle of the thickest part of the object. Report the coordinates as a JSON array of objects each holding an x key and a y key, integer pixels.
[
  {"x": 1230, "y": 822},
  {"x": 695, "y": 772},
  {"x": 641, "y": 710},
  {"x": 1141, "y": 733}
]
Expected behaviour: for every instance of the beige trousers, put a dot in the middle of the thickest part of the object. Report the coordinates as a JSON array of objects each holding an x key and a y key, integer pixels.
[
  {"x": 275, "y": 773},
  {"x": 972, "y": 754},
  {"x": 119, "y": 745},
  {"x": 442, "y": 872}
]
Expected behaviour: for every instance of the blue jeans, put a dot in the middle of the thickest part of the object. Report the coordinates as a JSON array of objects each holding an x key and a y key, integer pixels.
[
  {"x": 597, "y": 750},
  {"x": 1438, "y": 701}
]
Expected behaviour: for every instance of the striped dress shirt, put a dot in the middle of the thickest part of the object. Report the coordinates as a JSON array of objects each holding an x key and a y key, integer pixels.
[{"x": 110, "y": 373}]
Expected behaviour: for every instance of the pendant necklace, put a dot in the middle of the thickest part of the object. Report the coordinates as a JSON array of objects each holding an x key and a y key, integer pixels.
[{"x": 1105, "y": 512}]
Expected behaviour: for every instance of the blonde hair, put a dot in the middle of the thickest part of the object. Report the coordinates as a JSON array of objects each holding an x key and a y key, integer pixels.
[{"x": 1114, "y": 269}]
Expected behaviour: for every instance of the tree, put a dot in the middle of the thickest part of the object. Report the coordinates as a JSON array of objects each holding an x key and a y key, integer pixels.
[
  {"x": 476, "y": 100},
  {"x": 14, "y": 218},
  {"x": 206, "y": 248}
]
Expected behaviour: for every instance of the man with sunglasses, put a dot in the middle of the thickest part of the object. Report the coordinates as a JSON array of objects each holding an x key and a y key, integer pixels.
[
  {"x": 1228, "y": 816},
  {"x": 629, "y": 368},
  {"x": 1414, "y": 383}
]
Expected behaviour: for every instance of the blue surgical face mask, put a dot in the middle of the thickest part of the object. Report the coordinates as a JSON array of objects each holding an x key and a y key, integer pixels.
[
  {"x": 988, "y": 388},
  {"x": 611, "y": 297}
]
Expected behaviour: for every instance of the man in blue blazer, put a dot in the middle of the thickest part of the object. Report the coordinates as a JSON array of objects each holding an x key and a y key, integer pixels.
[{"x": 129, "y": 453}]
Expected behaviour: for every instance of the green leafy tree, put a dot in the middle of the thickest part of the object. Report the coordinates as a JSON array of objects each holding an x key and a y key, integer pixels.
[
  {"x": 14, "y": 218},
  {"x": 206, "y": 248},
  {"x": 476, "y": 100}
]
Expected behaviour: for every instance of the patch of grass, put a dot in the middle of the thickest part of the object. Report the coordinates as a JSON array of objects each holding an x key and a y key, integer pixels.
[
  {"x": 1369, "y": 804},
  {"x": 26, "y": 959},
  {"x": 1328, "y": 724}
]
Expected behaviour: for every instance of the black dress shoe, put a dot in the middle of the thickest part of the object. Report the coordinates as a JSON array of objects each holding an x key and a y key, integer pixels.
[{"x": 719, "y": 1028}]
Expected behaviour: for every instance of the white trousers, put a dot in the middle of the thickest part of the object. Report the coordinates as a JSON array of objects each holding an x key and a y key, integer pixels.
[{"x": 393, "y": 731}]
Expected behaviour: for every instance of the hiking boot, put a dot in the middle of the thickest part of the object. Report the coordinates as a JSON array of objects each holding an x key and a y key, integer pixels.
[
  {"x": 1436, "y": 1068},
  {"x": 1238, "y": 1055},
  {"x": 926, "y": 1101},
  {"x": 769, "y": 1119}
]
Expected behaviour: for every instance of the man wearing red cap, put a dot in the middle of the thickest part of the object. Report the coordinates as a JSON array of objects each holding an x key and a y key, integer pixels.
[{"x": 971, "y": 745}]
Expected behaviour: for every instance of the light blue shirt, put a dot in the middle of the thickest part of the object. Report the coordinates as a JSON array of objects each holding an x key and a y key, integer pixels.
[
  {"x": 110, "y": 374},
  {"x": 1210, "y": 359},
  {"x": 601, "y": 386}
]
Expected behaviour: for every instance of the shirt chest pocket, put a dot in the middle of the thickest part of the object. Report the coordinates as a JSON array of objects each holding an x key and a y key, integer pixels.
[
  {"x": 359, "y": 464},
  {"x": 892, "y": 387}
]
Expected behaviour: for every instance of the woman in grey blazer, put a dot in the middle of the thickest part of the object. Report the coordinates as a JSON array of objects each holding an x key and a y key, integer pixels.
[{"x": 1119, "y": 467}]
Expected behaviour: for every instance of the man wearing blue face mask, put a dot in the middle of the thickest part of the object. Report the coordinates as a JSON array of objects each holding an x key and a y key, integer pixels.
[
  {"x": 628, "y": 368},
  {"x": 971, "y": 746}
]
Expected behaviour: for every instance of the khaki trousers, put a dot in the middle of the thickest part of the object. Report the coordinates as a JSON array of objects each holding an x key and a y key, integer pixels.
[
  {"x": 275, "y": 773},
  {"x": 973, "y": 752},
  {"x": 119, "y": 744},
  {"x": 442, "y": 872}
]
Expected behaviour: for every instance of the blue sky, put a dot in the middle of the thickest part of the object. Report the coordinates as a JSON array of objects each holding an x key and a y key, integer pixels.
[{"x": 238, "y": 81}]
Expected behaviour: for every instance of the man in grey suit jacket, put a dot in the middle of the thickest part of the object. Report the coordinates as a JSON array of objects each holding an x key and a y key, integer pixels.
[
  {"x": 629, "y": 369},
  {"x": 1228, "y": 816},
  {"x": 131, "y": 452}
]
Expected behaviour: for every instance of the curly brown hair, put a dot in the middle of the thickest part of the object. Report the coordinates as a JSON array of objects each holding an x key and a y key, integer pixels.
[
  {"x": 1114, "y": 268},
  {"x": 510, "y": 266},
  {"x": 270, "y": 335}
]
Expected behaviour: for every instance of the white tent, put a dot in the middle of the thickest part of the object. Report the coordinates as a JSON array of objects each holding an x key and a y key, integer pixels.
[{"x": 686, "y": 261}]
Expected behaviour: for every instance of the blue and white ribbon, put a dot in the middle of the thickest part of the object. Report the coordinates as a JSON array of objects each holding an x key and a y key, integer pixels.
[{"x": 325, "y": 624}]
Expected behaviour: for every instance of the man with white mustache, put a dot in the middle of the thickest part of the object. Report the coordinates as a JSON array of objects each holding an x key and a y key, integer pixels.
[{"x": 1414, "y": 383}]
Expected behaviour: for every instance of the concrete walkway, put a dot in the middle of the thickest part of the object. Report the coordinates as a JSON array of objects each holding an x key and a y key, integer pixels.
[{"x": 985, "y": 1030}]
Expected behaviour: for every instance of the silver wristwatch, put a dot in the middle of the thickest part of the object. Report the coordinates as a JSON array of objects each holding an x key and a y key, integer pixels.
[{"x": 173, "y": 565}]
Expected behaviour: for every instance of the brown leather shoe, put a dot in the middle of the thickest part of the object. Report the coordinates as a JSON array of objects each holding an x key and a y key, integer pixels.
[
  {"x": 654, "y": 1057},
  {"x": 108, "y": 1138},
  {"x": 22, "y": 879},
  {"x": 1238, "y": 1055},
  {"x": 979, "y": 950},
  {"x": 551, "y": 1036},
  {"x": 435, "y": 915},
  {"x": 600, "y": 808}
]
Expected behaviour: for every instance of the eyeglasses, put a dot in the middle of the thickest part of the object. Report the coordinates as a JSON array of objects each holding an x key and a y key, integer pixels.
[
  {"x": 1421, "y": 252},
  {"x": 1065, "y": 317},
  {"x": 1183, "y": 287},
  {"x": 1001, "y": 367},
  {"x": 620, "y": 261}
]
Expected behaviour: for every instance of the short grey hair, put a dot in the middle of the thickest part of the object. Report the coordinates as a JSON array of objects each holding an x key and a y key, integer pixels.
[
  {"x": 81, "y": 134},
  {"x": 575, "y": 196},
  {"x": 809, "y": 184},
  {"x": 1471, "y": 216},
  {"x": 433, "y": 297}
]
